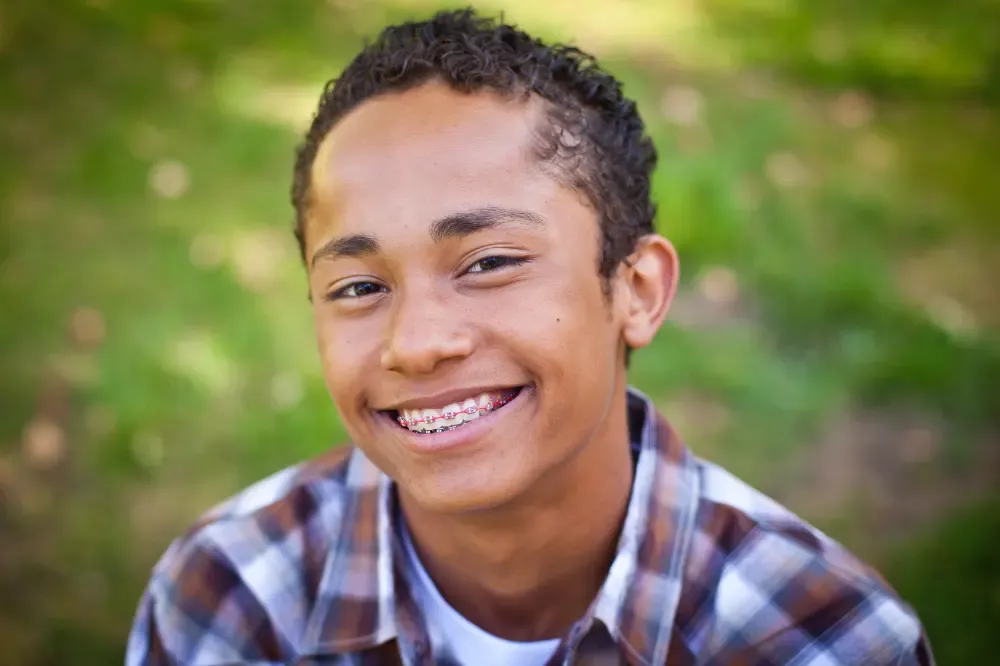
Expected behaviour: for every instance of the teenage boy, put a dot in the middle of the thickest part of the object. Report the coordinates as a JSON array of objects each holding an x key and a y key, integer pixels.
[{"x": 473, "y": 208}]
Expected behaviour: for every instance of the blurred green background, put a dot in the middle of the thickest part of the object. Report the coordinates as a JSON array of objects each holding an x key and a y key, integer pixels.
[{"x": 829, "y": 173}]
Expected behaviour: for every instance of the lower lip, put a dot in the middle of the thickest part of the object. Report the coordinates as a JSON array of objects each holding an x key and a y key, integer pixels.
[{"x": 464, "y": 435}]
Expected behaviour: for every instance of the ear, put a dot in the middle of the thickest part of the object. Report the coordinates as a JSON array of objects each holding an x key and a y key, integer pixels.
[{"x": 647, "y": 284}]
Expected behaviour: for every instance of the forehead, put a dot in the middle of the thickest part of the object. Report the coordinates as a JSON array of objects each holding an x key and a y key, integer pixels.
[{"x": 428, "y": 152}]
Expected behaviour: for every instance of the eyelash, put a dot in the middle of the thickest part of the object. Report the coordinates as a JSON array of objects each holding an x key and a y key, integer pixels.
[{"x": 505, "y": 262}]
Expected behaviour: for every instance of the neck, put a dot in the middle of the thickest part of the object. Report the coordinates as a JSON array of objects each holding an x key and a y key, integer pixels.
[{"x": 528, "y": 570}]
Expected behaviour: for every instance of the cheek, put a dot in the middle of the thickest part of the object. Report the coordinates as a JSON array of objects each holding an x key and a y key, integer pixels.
[
  {"x": 568, "y": 317},
  {"x": 562, "y": 329},
  {"x": 341, "y": 355}
]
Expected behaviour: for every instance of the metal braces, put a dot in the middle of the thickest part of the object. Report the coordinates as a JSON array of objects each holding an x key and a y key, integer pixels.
[{"x": 490, "y": 406}]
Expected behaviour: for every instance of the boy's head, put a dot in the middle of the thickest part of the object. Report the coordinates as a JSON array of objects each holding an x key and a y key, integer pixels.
[
  {"x": 474, "y": 210},
  {"x": 589, "y": 136}
]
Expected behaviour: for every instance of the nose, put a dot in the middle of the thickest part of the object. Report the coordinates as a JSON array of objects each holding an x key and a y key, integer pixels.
[{"x": 424, "y": 333}]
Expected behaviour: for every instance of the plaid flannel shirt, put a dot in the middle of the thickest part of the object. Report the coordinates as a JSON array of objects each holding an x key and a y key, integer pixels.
[{"x": 306, "y": 567}]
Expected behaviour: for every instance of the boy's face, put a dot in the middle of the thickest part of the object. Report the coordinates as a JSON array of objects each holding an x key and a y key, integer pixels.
[{"x": 448, "y": 272}]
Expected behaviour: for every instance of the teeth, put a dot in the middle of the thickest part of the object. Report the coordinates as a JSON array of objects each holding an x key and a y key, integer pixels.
[{"x": 451, "y": 416}]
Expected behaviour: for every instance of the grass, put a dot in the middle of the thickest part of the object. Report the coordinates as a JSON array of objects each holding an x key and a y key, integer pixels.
[
  {"x": 953, "y": 576},
  {"x": 155, "y": 312}
]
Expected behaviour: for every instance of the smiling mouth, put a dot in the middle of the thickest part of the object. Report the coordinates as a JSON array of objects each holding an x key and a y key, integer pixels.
[{"x": 455, "y": 415}]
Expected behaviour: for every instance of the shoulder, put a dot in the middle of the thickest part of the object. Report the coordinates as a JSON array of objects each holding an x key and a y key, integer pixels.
[
  {"x": 761, "y": 584},
  {"x": 235, "y": 585},
  {"x": 278, "y": 510}
]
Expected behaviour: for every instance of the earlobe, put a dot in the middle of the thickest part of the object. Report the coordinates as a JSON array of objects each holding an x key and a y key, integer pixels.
[{"x": 650, "y": 276}]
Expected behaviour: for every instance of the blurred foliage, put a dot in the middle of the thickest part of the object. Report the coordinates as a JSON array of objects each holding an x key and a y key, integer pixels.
[
  {"x": 916, "y": 49},
  {"x": 958, "y": 562},
  {"x": 827, "y": 172}
]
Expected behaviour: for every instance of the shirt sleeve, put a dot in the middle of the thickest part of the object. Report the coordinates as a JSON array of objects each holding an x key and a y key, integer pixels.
[
  {"x": 198, "y": 610},
  {"x": 918, "y": 655},
  {"x": 877, "y": 631},
  {"x": 145, "y": 647}
]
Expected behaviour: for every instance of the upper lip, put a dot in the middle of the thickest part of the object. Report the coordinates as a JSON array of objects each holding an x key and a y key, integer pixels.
[{"x": 445, "y": 398}]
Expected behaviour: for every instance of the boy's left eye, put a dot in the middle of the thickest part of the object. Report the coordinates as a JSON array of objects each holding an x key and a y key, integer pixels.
[{"x": 495, "y": 262}]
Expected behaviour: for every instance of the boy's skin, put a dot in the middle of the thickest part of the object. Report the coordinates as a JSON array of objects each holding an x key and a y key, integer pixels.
[{"x": 517, "y": 524}]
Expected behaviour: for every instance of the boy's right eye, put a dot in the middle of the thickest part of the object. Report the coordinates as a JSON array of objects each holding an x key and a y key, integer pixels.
[{"x": 355, "y": 290}]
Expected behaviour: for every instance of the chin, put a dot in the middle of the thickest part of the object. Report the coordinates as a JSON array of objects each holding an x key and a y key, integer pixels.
[{"x": 457, "y": 491}]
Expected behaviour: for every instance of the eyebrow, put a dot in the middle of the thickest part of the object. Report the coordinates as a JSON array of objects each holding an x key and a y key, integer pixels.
[
  {"x": 457, "y": 225},
  {"x": 480, "y": 219},
  {"x": 355, "y": 245}
]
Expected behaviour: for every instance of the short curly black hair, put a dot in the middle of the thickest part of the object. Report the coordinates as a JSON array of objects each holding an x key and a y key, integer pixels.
[{"x": 594, "y": 138}]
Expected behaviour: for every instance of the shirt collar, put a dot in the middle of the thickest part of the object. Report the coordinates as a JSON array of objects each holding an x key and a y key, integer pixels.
[
  {"x": 355, "y": 606},
  {"x": 638, "y": 601}
]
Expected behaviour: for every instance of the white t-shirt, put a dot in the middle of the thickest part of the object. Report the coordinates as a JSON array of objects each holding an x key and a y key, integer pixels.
[{"x": 466, "y": 643}]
